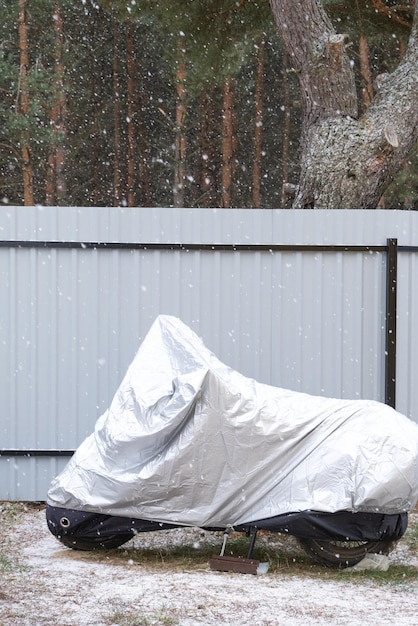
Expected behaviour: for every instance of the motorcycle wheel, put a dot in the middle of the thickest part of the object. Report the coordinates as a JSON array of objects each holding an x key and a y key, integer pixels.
[{"x": 343, "y": 554}]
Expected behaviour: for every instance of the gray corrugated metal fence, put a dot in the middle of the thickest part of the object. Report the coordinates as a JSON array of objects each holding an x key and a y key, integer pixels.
[{"x": 74, "y": 310}]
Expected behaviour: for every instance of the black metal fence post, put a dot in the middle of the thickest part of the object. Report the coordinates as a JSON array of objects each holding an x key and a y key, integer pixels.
[{"x": 391, "y": 311}]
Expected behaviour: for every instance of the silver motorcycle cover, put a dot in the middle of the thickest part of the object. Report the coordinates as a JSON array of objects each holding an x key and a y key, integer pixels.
[{"x": 188, "y": 440}]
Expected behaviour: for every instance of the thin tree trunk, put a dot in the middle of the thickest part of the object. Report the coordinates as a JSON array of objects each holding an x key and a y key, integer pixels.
[
  {"x": 258, "y": 130},
  {"x": 56, "y": 185},
  {"x": 180, "y": 138},
  {"x": 117, "y": 136},
  {"x": 96, "y": 190},
  {"x": 143, "y": 160},
  {"x": 27, "y": 170},
  {"x": 205, "y": 163},
  {"x": 50, "y": 192},
  {"x": 96, "y": 187},
  {"x": 62, "y": 109},
  {"x": 205, "y": 175},
  {"x": 227, "y": 141},
  {"x": 130, "y": 66}
]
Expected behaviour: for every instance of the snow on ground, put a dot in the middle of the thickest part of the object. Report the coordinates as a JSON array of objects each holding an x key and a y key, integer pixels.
[{"x": 43, "y": 583}]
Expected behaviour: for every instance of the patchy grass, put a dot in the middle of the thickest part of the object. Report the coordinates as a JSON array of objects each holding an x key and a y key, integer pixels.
[
  {"x": 123, "y": 614},
  {"x": 411, "y": 535},
  {"x": 398, "y": 575},
  {"x": 5, "y": 563},
  {"x": 10, "y": 514}
]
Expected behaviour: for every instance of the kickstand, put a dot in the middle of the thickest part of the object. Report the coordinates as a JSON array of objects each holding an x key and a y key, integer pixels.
[
  {"x": 252, "y": 532},
  {"x": 226, "y": 533},
  {"x": 248, "y": 565}
]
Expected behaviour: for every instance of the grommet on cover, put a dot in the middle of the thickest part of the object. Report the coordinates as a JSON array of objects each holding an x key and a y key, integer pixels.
[{"x": 65, "y": 522}]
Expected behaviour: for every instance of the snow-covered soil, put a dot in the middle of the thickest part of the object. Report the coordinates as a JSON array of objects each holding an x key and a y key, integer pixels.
[{"x": 155, "y": 580}]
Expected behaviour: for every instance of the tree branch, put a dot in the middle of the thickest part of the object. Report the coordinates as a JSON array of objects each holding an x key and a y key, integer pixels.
[
  {"x": 13, "y": 150},
  {"x": 394, "y": 11}
]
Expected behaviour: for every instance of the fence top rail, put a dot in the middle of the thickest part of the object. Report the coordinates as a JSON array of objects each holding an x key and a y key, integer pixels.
[
  {"x": 33, "y": 452},
  {"x": 234, "y": 247}
]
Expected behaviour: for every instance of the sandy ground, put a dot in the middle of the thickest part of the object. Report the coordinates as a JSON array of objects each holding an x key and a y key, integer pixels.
[{"x": 150, "y": 582}]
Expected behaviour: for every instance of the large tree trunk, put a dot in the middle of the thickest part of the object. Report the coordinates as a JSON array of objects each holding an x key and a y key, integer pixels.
[{"x": 346, "y": 161}]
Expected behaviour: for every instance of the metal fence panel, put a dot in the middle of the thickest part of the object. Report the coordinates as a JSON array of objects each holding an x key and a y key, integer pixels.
[{"x": 71, "y": 319}]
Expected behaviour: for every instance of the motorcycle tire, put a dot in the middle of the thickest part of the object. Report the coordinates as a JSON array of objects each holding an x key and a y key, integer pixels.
[
  {"x": 106, "y": 543},
  {"x": 343, "y": 554}
]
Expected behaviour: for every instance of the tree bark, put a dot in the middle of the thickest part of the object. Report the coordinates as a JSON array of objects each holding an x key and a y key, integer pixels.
[
  {"x": 258, "y": 129},
  {"x": 143, "y": 146},
  {"x": 27, "y": 170},
  {"x": 318, "y": 55},
  {"x": 130, "y": 68},
  {"x": 117, "y": 134},
  {"x": 207, "y": 140},
  {"x": 227, "y": 141},
  {"x": 180, "y": 138},
  {"x": 56, "y": 185},
  {"x": 346, "y": 161}
]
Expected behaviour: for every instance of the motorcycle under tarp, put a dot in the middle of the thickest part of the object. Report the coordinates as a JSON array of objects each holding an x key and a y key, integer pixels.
[{"x": 188, "y": 441}]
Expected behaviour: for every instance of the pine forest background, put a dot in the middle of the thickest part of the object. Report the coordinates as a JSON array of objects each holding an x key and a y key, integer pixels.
[{"x": 168, "y": 103}]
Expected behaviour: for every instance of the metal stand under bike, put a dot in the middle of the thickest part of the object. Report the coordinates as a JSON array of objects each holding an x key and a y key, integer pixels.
[{"x": 240, "y": 565}]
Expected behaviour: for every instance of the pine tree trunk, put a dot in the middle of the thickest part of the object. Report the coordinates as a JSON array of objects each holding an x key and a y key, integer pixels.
[
  {"x": 61, "y": 185},
  {"x": 227, "y": 141},
  {"x": 180, "y": 132},
  {"x": 204, "y": 174},
  {"x": 27, "y": 170},
  {"x": 130, "y": 66},
  {"x": 258, "y": 130},
  {"x": 56, "y": 185},
  {"x": 143, "y": 145},
  {"x": 117, "y": 135},
  {"x": 205, "y": 165}
]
